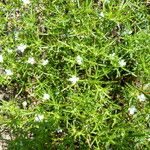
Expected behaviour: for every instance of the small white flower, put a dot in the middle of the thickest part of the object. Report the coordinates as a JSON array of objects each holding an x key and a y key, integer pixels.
[
  {"x": 21, "y": 47},
  {"x": 122, "y": 63},
  {"x": 101, "y": 14},
  {"x": 44, "y": 62},
  {"x": 39, "y": 118},
  {"x": 31, "y": 60},
  {"x": 141, "y": 97},
  {"x": 1, "y": 58},
  {"x": 79, "y": 60},
  {"x": 148, "y": 139},
  {"x": 46, "y": 96},
  {"x": 8, "y": 72},
  {"x": 9, "y": 50},
  {"x": 24, "y": 104},
  {"x": 59, "y": 130},
  {"x": 56, "y": 93},
  {"x": 132, "y": 110},
  {"x": 130, "y": 32},
  {"x": 73, "y": 79},
  {"x": 26, "y": 2},
  {"x": 112, "y": 55},
  {"x": 127, "y": 32}
]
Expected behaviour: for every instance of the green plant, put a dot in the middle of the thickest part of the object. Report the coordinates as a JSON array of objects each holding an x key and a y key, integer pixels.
[{"x": 75, "y": 74}]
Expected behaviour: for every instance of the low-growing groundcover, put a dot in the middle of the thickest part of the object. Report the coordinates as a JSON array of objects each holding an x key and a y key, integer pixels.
[{"x": 75, "y": 74}]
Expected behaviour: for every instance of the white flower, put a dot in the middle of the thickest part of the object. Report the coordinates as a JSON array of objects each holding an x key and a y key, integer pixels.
[
  {"x": 56, "y": 93},
  {"x": 26, "y": 2},
  {"x": 21, "y": 47},
  {"x": 127, "y": 32},
  {"x": 132, "y": 110},
  {"x": 122, "y": 63},
  {"x": 73, "y": 79},
  {"x": 44, "y": 62},
  {"x": 46, "y": 96},
  {"x": 130, "y": 32},
  {"x": 141, "y": 97},
  {"x": 1, "y": 58},
  {"x": 59, "y": 130},
  {"x": 8, "y": 72},
  {"x": 9, "y": 50},
  {"x": 31, "y": 60},
  {"x": 148, "y": 139},
  {"x": 79, "y": 60},
  {"x": 112, "y": 55},
  {"x": 101, "y": 14},
  {"x": 24, "y": 104},
  {"x": 39, "y": 118}
]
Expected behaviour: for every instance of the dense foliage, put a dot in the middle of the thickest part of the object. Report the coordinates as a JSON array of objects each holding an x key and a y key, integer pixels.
[{"x": 75, "y": 74}]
